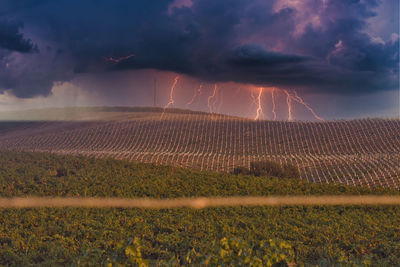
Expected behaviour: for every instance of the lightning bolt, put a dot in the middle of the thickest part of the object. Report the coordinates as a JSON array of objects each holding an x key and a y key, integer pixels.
[
  {"x": 289, "y": 104},
  {"x": 259, "y": 107},
  {"x": 119, "y": 59},
  {"x": 171, "y": 93},
  {"x": 273, "y": 102},
  {"x": 298, "y": 99},
  {"x": 197, "y": 92},
  {"x": 301, "y": 101},
  {"x": 212, "y": 96},
  {"x": 171, "y": 96}
]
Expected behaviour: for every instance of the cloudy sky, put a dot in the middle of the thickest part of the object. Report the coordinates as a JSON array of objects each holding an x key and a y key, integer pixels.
[{"x": 340, "y": 56}]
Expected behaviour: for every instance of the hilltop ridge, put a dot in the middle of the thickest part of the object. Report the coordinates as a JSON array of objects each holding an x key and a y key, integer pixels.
[{"x": 357, "y": 152}]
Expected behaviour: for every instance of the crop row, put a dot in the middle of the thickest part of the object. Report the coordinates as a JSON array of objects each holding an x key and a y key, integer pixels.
[{"x": 350, "y": 152}]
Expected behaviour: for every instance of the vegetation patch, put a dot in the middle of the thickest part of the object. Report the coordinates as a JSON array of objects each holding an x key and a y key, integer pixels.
[
  {"x": 269, "y": 168},
  {"x": 325, "y": 236}
]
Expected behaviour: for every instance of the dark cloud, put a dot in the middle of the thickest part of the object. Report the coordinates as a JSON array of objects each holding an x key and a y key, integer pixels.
[
  {"x": 322, "y": 46},
  {"x": 256, "y": 56},
  {"x": 11, "y": 38}
]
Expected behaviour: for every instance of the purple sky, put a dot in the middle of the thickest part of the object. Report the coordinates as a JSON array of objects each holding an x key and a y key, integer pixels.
[{"x": 341, "y": 56}]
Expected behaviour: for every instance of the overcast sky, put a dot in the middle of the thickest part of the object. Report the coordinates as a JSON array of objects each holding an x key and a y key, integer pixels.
[{"x": 341, "y": 56}]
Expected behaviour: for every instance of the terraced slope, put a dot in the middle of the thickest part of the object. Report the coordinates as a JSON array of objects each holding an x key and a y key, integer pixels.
[{"x": 350, "y": 152}]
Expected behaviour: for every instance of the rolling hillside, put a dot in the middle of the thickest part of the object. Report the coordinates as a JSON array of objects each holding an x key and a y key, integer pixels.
[{"x": 353, "y": 152}]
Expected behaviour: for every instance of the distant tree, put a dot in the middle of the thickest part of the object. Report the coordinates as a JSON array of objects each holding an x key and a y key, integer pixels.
[
  {"x": 240, "y": 170},
  {"x": 290, "y": 171},
  {"x": 269, "y": 168},
  {"x": 266, "y": 168}
]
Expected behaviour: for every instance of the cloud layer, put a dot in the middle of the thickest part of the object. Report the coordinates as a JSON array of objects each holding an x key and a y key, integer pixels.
[
  {"x": 11, "y": 38},
  {"x": 316, "y": 45}
]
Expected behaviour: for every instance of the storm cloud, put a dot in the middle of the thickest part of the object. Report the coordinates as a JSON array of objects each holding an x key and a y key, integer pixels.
[
  {"x": 316, "y": 45},
  {"x": 11, "y": 38}
]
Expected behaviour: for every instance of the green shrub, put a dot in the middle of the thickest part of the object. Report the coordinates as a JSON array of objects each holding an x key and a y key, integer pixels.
[
  {"x": 236, "y": 252},
  {"x": 266, "y": 168},
  {"x": 269, "y": 168},
  {"x": 241, "y": 170},
  {"x": 290, "y": 171},
  {"x": 225, "y": 252}
]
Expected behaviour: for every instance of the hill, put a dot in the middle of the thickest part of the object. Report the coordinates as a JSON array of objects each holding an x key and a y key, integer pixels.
[
  {"x": 344, "y": 236},
  {"x": 89, "y": 113},
  {"x": 357, "y": 152}
]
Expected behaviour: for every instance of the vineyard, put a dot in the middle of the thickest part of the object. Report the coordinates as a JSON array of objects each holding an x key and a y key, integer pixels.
[
  {"x": 357, "y": 152},
  {"x": 333, "y": 235}
]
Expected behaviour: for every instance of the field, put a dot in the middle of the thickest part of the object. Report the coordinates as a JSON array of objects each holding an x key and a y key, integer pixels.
[
  {"x": 357, "y": 152},
  {"x": 250, "y": 236}
]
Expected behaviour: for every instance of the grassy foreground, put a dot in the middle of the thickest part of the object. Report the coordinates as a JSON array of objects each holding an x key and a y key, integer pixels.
[{"x": 215, "y": 236}]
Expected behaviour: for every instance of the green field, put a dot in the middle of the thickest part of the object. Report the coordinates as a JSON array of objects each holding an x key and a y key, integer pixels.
[{"x": 225, "y": 236}]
